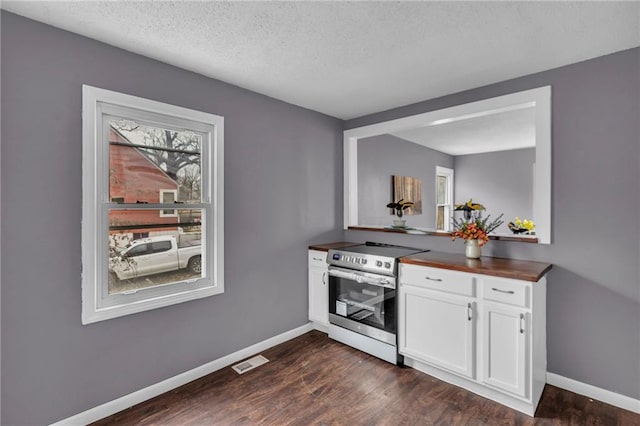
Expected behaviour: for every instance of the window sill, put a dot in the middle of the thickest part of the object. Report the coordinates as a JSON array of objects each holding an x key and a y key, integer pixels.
[{"x": 430, "y": 232}]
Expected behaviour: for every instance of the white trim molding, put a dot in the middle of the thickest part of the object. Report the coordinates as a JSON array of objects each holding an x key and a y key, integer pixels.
[
  {"x": 99, "y": 107},
  {"x": 602, "y": 395},
  {"x": 124, "y": 402},
  {"x": 540, "y": 98}
]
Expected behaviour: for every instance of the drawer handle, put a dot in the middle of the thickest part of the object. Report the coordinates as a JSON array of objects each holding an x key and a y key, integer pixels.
[
  {"x": 434, "y": 279},
  {"x": 317, "y": 258},
  {"x": 503, "y": 291},
  {"x": 469, "y": 311},
  {"x": 521, "y": 323},
  {"x": 324, "y": 274}
]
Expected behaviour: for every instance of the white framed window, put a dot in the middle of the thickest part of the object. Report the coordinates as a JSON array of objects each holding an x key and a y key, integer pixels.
[
  {"x": 444, "y": 198},
  {"x": 168, "y": 196},
  {"x": 152, "y": 217}
]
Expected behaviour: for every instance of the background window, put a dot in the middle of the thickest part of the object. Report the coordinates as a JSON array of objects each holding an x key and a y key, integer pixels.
[
  {"x": 444, "y": 198},
  {"x": 168, "y": 196}
]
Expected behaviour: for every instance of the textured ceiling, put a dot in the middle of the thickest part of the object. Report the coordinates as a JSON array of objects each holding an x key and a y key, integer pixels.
[{"x": 348, "y": 59}]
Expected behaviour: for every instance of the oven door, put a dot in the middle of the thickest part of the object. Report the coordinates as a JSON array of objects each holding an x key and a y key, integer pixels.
[{"x": 363, "y": 302}]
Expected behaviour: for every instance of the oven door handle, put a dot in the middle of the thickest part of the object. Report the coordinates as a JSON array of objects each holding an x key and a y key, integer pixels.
[{"x": 359, "y": 277}]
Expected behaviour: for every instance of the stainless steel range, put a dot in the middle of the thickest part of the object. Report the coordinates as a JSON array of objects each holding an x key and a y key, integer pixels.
[{"x": 362, "y": 297}]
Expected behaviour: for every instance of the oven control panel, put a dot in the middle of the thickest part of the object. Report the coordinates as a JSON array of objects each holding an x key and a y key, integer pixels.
[
  {"x": 350, "y": 259},
  {"x": 363, "y": 262}
]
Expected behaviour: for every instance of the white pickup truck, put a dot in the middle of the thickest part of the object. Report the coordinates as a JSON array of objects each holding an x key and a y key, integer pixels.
[{"x": 155, "y": 255}]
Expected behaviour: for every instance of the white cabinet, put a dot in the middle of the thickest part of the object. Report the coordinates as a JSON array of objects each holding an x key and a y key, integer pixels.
[
  {"x": 438, "y": 328},
  {"x": 484, "y": 333},
  {"x": 318, "y": 289},
  {"x": 505, "y": 333}
]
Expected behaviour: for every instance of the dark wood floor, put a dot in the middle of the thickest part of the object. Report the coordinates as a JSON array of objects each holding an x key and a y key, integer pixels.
[{"x": 312, "y": 380}]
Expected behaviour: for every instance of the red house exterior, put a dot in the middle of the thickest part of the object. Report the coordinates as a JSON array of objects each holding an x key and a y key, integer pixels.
[{"x": 134, "y": 178}]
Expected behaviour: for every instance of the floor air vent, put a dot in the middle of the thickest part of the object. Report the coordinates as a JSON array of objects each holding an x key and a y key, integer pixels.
[{"x": 250, "y": 364}]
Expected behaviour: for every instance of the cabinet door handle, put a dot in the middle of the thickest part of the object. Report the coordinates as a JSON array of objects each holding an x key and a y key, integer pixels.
[
  {"x": 469, "y": 311},
  {"x": 317, "y": 258},
  {"x": 434, "y": 279},
  {"x": 324, "y": 274},
  {"x": 503, "y": 291},
  {"x": 521, "y": 323}
]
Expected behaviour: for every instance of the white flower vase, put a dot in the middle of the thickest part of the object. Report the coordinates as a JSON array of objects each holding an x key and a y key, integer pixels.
[{"x": 472, "y": 249}]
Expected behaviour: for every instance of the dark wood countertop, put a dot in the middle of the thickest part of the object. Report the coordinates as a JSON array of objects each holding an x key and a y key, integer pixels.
[
  {"x": 495, "y": 266},
  {"x": 327, "y": 247}
]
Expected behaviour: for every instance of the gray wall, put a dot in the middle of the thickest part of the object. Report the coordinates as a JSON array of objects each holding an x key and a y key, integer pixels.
[
  {"x": 502, "y": 181},
  {"x": 593, "y": 299},
  {"x": 381, "y": 157},
  {"x": 283, "y": 190}
]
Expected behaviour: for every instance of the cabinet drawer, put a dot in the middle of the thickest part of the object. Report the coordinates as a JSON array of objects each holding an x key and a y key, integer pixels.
[
  {"x": 438, "y": 279},
  {"x": 507, "y": 291},
  {"x": 317, "y": 258}
]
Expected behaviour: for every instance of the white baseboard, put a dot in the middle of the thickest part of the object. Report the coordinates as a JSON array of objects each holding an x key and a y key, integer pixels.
[
  {"x": 321, "y": 327},
  {"x": 124, "y": 402},
  {"x": 612, "y": 398}
]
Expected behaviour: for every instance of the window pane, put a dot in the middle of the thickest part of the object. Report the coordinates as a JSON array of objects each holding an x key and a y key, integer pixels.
[
  {"x": 440, "y": 218},
  {"x": 442, "y": 190},
  {"x": 145, "y": 160},
  {"x": 170, "y": 252}
]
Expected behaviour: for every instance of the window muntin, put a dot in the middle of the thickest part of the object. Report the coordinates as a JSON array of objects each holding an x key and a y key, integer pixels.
[{"x": 119, "y": 191}]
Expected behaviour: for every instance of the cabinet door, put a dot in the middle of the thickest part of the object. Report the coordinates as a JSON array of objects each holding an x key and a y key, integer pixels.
[
  {"x": 438, "y": 329},
  {"x": 506, "y": 360},
  {"x": 319, "y": 295}
]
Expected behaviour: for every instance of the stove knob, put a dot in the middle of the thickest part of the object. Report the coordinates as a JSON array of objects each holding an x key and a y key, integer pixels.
[
  {"x": 378, "y": 263},
  {"x": 357, "y": 260},
  {"x": 363, "y": 261},
  {"x": 387, "y": 265}
]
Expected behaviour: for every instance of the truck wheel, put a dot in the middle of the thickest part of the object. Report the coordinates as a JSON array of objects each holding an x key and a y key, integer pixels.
[{"x": 195, "y": 265}]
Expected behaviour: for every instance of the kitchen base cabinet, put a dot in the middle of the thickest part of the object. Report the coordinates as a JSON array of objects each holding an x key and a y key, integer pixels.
[
  {"x": 318, "y": 290},
  {"x": 450, "y": 343},
  {"x": 484, "y": 333},
  {"x": 506, "y": 360}
]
